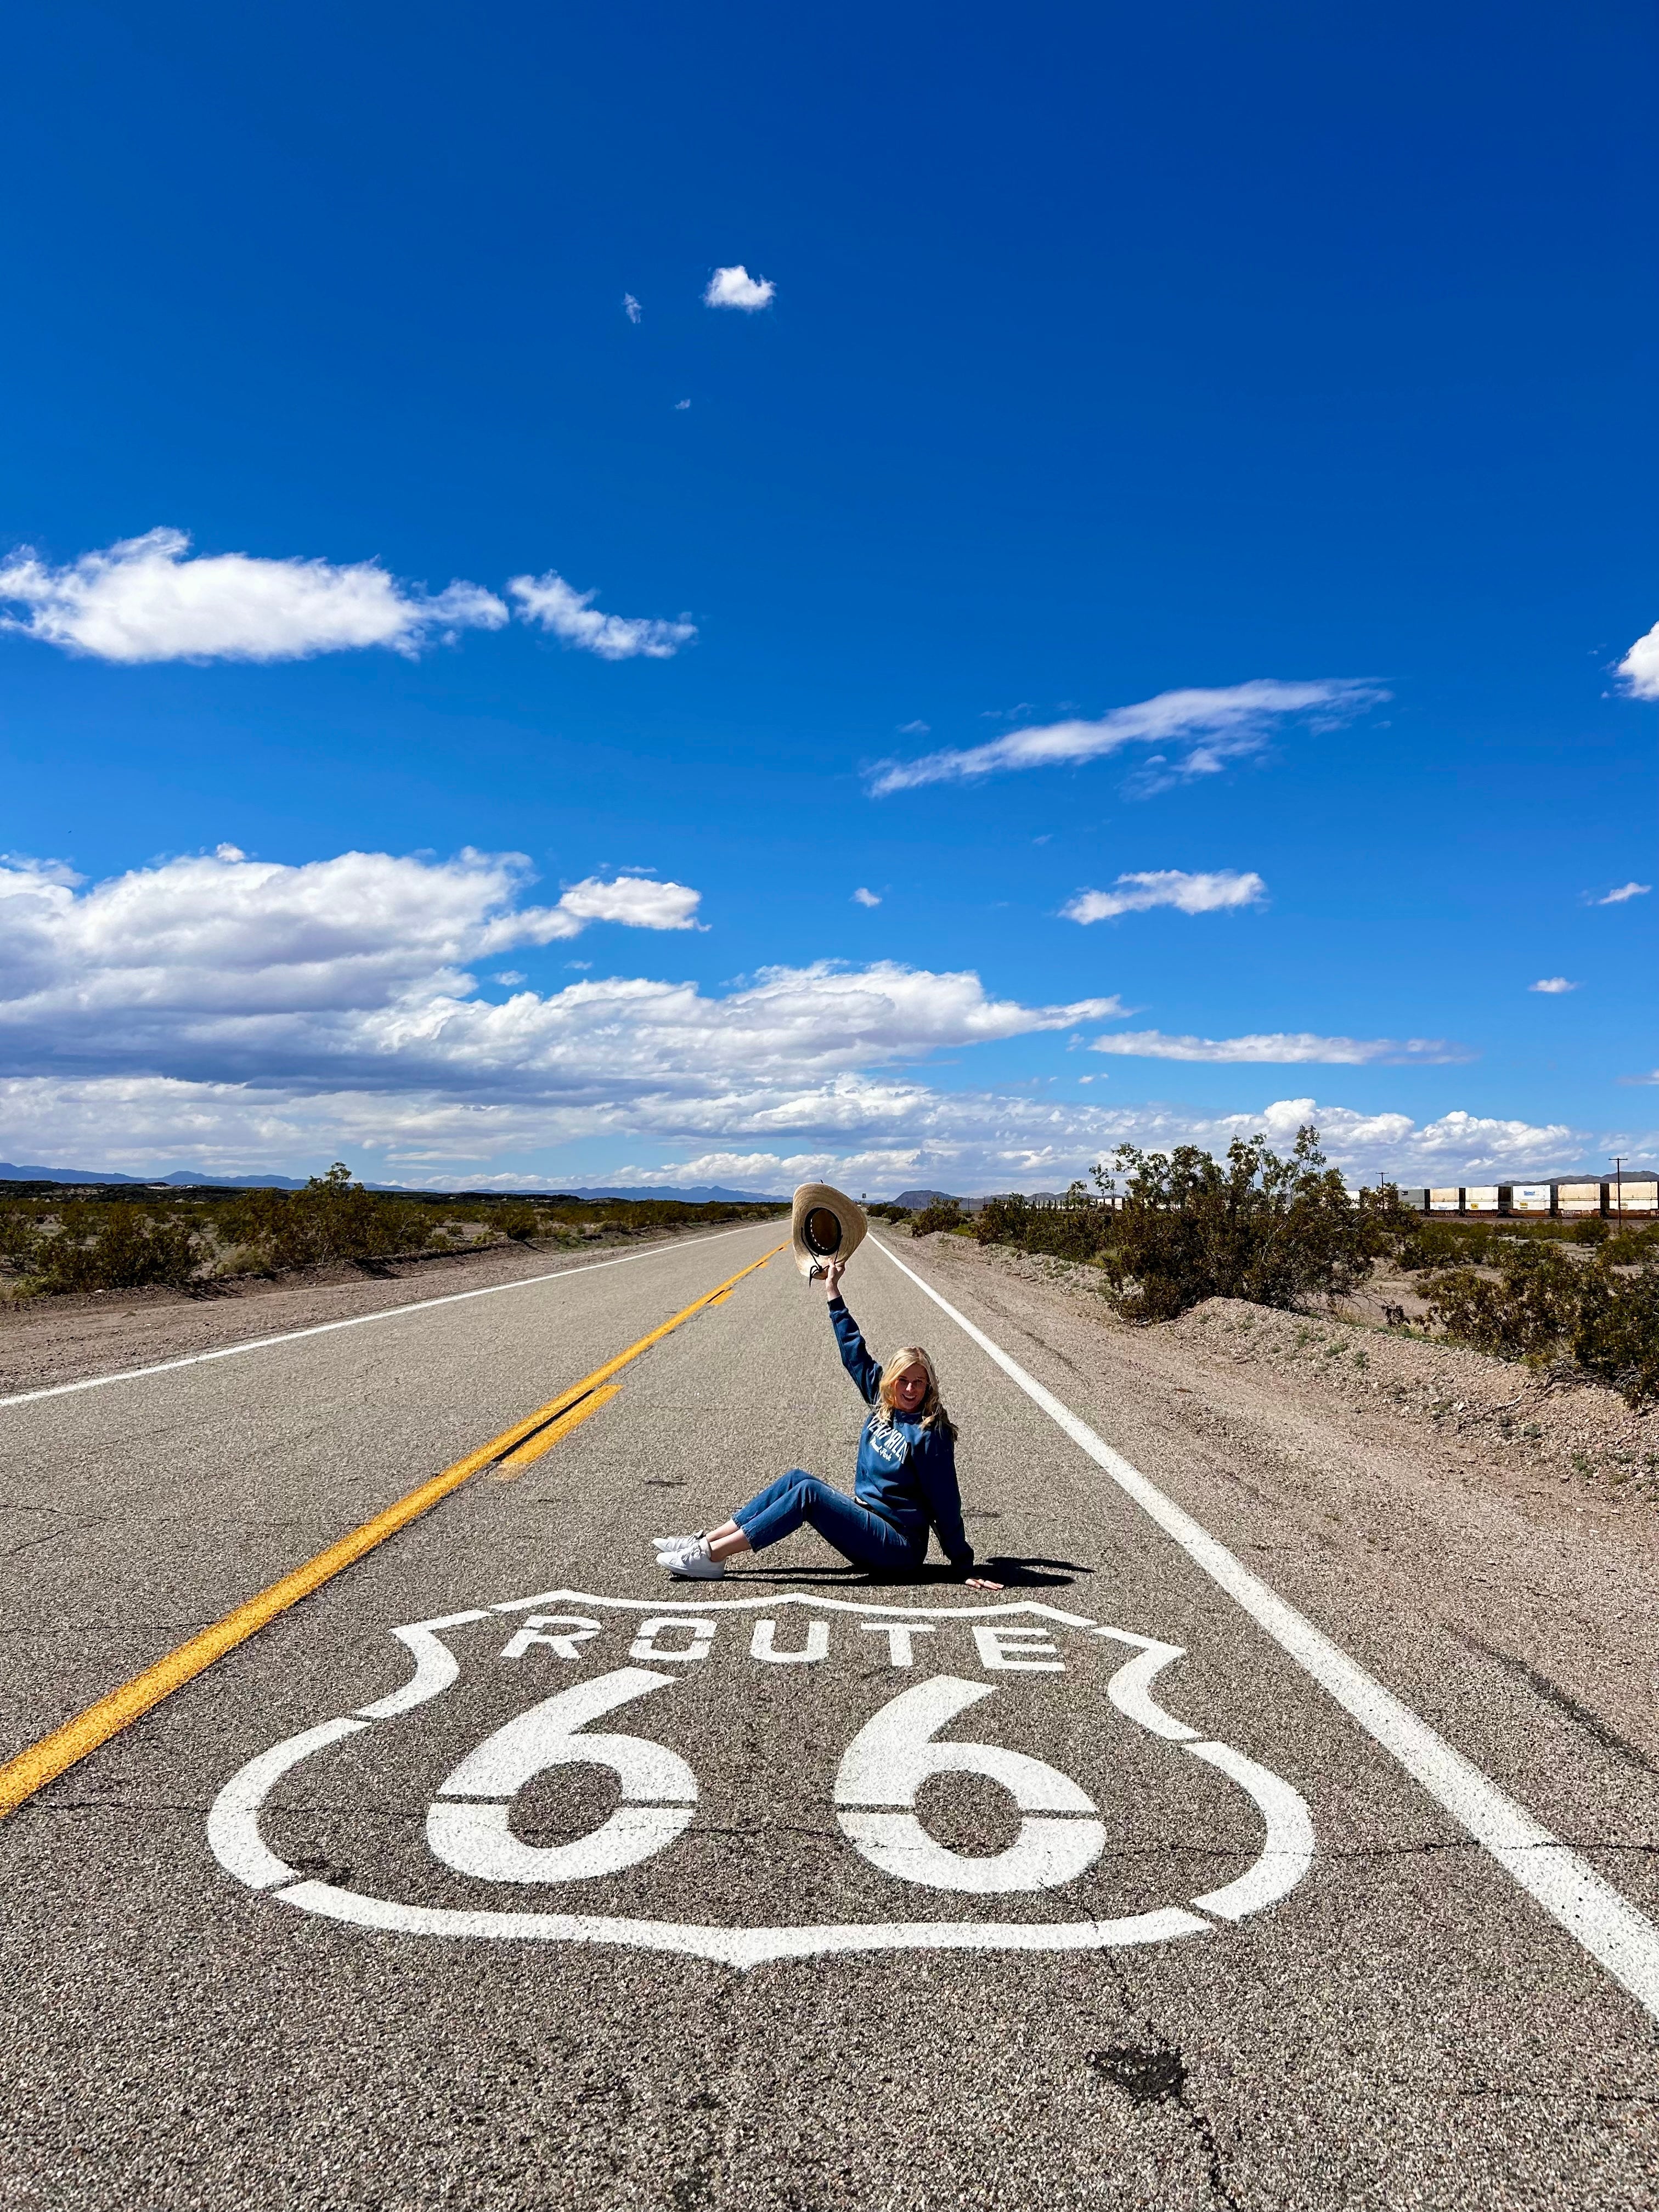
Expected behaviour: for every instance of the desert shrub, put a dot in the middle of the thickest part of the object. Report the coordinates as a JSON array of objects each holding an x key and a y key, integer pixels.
[
  {"x": 19, "y": 1237},
  {"x": 1626, "y": 1248},
  {"x": 1524, "y": 1314},
  {"x": 1545, "y": 1305},
  {"x": 1274, "y": 1230},
  {"x": 1078, "y": 1232},
  {"x": 117, "y": 1247},
  {"x": 1615, "y": 1335},
  {"x": 333, "y": 1218},
  {"x": 1426, "y": 1243},
  {"x": 1591, "y": 1230},
  {"x": 942, "y": 1213},
  {"x": 516, "y": 1220}
]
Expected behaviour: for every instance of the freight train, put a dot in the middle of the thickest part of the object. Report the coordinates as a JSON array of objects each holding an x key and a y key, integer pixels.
[{"x": 1566, "y": 1198}]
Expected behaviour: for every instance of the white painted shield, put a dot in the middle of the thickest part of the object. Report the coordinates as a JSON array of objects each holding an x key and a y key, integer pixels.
[{"x": 470, "y": 1828}]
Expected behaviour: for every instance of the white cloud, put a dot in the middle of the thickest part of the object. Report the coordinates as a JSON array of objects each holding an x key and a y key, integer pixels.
[
  {"x": 736, "y": 288},
  {"x": 509, "y": 977},
  {"x": 211, "y": 964},
  {"x": 142, "y": 599},
  {"x": 631, "y": 308},
  {"x": 552, "y": 602},
  {"x": 914, "y": 729},
  {"x": 354, "y": 970},
  {"x": 635, "y": 901},
  {"x": 1282, "y": 1047},
  {"x": 1203, "y": 731},
  {"x": 1553, "y": 986},
  {"x": 861, "y": 1134},
  {"x": 1624, "y": 891},
  {"x": 240, "y": 1015},
  {"x": 680, "y": 405},
  {"x": 1640, "y": 666},
  {"x": 1187, "y": 894},
  {"x": 866, "y": 898}
]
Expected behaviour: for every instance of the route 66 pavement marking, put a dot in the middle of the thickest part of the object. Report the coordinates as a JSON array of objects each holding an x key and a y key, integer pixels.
[{"x": 900, "y": 1747}]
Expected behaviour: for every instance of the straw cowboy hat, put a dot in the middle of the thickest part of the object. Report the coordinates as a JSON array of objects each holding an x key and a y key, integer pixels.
[{"x": 826, "y": 1225}]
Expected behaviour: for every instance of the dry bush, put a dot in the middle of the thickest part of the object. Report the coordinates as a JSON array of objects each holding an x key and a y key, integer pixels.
[
  {"x": 117, "y": 1247},
  {"x": 1276, "y": 1231},
  {"x": 1544, "y": 1305},
  {"x": 942, "y": 1213}
]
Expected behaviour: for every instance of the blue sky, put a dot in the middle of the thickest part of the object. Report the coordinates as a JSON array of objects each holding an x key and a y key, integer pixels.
[{"x": 1072, "y": 362}]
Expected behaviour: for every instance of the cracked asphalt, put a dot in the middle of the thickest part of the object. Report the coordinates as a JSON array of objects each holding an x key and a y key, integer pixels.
[{"x": 380, "y": 1985}]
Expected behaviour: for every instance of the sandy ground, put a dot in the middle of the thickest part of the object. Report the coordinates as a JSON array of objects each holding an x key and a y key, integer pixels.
[{"x": 48, "y": 1340}]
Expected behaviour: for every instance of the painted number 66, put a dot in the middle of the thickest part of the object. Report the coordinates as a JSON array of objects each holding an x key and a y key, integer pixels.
[{"x": 469, "y": 1826}]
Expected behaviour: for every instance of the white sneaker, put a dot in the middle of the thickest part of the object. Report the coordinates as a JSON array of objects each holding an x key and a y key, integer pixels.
[
  {"x": 678, "y": 1543},
  {"x": 693, "y": 1565}
]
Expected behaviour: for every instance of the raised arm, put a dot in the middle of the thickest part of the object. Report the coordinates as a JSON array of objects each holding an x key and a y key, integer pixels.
[{"x": 854, "y": 1352}]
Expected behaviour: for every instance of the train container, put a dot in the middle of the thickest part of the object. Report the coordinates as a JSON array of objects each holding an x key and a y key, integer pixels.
[
  {"x": 1530, "y": 1198},
  {"x": 1483, "y": 1198},
  {"x": 1636, "y": 1195},
  {"x": 1446, "y": 1200},
  {"x": 1580, "y": 1197}
]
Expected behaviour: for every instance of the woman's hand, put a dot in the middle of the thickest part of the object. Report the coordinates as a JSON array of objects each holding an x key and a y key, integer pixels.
[
  {"x": 832, "y": 1275},
  {"x": 980, "y": 1582}
]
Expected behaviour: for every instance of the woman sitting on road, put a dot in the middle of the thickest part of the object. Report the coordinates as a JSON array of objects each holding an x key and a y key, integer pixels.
[{"x": 905, "y": 1481}]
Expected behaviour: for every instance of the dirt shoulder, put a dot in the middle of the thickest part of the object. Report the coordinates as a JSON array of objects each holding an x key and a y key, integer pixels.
[{"x": 65, "y": 1339}]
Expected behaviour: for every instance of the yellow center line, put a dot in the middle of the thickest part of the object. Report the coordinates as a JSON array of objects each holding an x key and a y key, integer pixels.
[{"x": 54, "y": 1754}]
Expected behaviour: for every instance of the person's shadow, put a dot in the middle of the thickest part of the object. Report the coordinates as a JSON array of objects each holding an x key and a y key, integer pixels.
[{"x": 1012, "y": 1574}]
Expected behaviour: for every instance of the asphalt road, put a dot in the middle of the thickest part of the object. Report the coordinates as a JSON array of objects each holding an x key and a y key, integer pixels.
[{"x": 794, "y": 1908}]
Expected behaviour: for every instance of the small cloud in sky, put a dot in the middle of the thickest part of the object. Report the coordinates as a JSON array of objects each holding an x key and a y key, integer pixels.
[
  {"x": 680, "y": 406},
  {"x": 631, "y": 308},
  {"x": 866, "y": 898},
  {"x": 142, "y": 599},
  {"x": 509, "y": 977},
  {"x": 736, "y": 288},
  {"x": 1624, "y": 891},
  {"x": 1640, "y": 666},
  {"x": 1281, "y": 1048},
  {"x": 1198, "y": 732},
  {"x": 582, "y": 966},
  {"x": 1210, "y": 893},
  {"x": 554, "y": 606},
  {"x": 1553, "y": 986},
  {"x": 635, "y": 901},
  {"x": 914, "y": 729}
]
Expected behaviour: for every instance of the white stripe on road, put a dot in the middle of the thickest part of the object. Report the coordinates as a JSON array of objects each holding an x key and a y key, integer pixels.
[
  {"x": 359, "y": 1321},
  {"x": 1568, "y": 1887}
]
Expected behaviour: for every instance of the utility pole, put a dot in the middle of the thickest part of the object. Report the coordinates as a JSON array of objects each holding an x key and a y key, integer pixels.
[{"x": 1618, "y": 1186}]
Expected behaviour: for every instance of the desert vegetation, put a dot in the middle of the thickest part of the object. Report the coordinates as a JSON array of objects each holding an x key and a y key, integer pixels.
[
  {"x": 1168, "y": 1230},
  {"x": 134, "y": 1237}
]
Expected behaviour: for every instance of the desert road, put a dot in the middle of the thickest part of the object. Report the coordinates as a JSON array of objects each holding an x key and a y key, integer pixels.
[{"x": 1213, "y": 1863}]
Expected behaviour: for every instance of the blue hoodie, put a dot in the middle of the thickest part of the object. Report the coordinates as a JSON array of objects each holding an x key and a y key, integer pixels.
[{"x": 905, "y": 1472}]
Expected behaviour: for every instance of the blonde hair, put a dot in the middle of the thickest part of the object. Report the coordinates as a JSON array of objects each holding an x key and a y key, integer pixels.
[{"x": 930, "y": 1413}]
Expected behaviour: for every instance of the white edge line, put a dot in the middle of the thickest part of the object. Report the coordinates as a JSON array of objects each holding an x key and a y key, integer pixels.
[
  {"x": 358, "y": 1320},
  {"x": 1607, "y": 1925}
]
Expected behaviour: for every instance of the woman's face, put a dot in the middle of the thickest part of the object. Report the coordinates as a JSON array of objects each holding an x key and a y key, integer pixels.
[{"x": 909, "y": 1389}]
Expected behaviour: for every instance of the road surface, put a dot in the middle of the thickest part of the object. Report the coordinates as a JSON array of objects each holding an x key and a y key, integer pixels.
[{"x": 1120, "y": 1889}]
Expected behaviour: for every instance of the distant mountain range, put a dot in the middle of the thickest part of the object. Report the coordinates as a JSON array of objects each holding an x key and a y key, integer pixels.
[
  {"x": 180, "y": 1179},
  {"x": 191, "y": 1179}
]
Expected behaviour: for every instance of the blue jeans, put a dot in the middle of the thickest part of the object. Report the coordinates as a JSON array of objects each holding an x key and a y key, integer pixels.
[{"x": 865, "y": 1538}]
